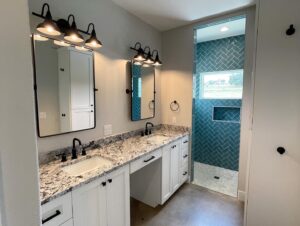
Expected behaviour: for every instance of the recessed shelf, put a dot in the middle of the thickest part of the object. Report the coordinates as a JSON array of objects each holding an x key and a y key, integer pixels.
[{"x": 227, "y": 114}]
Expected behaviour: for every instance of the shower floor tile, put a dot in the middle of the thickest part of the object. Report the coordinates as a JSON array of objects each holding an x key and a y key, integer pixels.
[{"x": 216, "y": 178}]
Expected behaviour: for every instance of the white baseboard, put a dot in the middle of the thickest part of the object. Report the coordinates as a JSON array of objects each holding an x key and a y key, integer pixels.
[{"x": 241, "y": 196}]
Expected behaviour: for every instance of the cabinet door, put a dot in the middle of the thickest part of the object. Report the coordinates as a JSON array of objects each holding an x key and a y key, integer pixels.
[
  {"x": 118, "y": 195},
  {"x": 89, "y": 205},
  {"x": 175, "y": 164},
  {"x": 166, "y": 174}
]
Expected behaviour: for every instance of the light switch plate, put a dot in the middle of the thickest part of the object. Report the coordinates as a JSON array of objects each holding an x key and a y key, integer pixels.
[{"x": 107, "y": 130}]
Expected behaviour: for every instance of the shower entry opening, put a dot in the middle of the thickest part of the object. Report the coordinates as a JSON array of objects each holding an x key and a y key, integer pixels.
[{"x": 217, "y": 102}]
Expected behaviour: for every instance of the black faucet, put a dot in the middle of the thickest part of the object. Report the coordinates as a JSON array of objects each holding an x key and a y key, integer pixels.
[
  {"x": 74, "y": 151},
  {"x": 147, "y": 130}
]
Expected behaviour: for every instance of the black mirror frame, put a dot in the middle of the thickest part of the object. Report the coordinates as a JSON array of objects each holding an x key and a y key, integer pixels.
[
  {"x": 130, "y": 91},
  {"x": 36, "y": 96}
]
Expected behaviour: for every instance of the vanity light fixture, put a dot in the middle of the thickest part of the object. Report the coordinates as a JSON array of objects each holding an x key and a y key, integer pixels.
[
  {"x": 157, "y": 61},
  {"x": 93, "y": 42},
  {"x": 39, "y": 37},
  {"x": 140, "y": 56},
  {"x": 72, "y": 34},
  {"x": 61, "y": 43},
  {"x": 48, "y": 26},
  {"x": 149, "y": 59}
]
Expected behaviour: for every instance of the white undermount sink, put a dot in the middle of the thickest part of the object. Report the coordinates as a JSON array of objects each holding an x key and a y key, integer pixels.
[
  {"x": 87, "y": 165},
  {"x": 157, "y": 138}
]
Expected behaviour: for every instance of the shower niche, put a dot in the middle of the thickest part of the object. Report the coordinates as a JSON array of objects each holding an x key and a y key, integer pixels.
[{"x": 227, "y": 114}]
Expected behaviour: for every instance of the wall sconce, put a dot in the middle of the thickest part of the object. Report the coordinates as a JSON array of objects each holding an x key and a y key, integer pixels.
[
  {"x": 93, "y": 42},
  {"x": 144, "y": 56},
  {"x": 70, "y": 32},
  {"x": 157, "y": 61},
  {"x": 48, "y": 27},
  {"x": 140, "y": 52},
  {"x": 149, "y": 59}
]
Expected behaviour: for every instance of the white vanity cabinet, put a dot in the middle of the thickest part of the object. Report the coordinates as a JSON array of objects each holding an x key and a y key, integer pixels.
[
  {"x": 68, "y": 223},
  {"x": 104, "y": 202},
  {"x": 184, "y": 159},
  {"x": 57, "y": 211},
  {"x": 170, "y": 170},
  {"x": 174, "y": 167}
]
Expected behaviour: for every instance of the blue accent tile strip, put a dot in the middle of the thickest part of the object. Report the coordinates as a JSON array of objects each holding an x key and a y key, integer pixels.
[{"x": 136, "y": 100}]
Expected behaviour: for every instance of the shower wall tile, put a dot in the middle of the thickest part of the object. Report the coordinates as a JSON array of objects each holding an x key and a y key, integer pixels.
[{"x": 214, "y": 142}]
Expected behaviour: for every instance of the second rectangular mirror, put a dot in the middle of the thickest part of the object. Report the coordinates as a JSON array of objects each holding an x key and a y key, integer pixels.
[{"x": 143, "y": 92}]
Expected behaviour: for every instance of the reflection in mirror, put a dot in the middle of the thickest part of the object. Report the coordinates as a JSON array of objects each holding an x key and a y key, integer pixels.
[
  {"x": 143, "y": 92},
  {"x": 64, "y": 79}
]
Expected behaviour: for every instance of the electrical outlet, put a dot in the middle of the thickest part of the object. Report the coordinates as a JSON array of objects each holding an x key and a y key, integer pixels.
[{"x": 107, "y": 130}]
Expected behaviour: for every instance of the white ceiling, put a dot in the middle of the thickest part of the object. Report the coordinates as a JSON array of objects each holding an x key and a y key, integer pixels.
[
  {"x": 167, "y": 14},
  {"x": 235, "y": 27}
]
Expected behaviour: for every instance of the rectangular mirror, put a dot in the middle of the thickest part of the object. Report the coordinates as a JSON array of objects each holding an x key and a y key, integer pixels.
[
  {"x": 64, "y": 88},
  {"x": 143, "y": 92}
]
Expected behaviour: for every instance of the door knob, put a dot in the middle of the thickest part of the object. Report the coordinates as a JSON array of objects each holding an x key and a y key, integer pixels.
[{"x": 281, "y": 150}]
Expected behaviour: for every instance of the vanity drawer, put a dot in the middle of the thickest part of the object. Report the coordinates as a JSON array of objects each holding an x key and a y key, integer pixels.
[
  {"x": 145, "y": 160},
  {"x": 184, "y": 173},
  {"x": 185, "y": 143},
  {"x": 57, "y": 211}
]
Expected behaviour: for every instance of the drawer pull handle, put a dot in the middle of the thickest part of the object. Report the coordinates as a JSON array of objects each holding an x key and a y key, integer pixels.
[
  {"x": 147, "y": 160},
  {"x": 185, "y": 156},
  {"x": 109, "y": 180},
  {"x": 57, "y": 213},
  {"x": 174, "y": 146},
  {"x": 185, "y": 141},
  {"x": 185, "y": 173}
]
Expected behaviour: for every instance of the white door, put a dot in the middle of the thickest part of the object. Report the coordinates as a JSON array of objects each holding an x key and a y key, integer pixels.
[
  {"x": 175, "y": 166},
  {"x": 118, "y": 198},
  {"x": 89, "y": 205},
  {"x": 274, "y": 179},
  {"x": 64, "y": 81},
  {"x": 81, "y": 90},
  {"x": 166, "y": 174}
]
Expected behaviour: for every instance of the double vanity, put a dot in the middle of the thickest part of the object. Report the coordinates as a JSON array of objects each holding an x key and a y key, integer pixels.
[{"x": 95, "y": 189}]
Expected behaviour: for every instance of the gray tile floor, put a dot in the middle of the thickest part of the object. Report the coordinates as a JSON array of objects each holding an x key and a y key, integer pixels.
[{"x": 190, "y": 206}]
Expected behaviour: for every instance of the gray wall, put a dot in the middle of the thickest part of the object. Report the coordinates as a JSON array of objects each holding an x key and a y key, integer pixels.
[
  {"x": 118, "y": 30},
  {"x": 177, "y": 76},
  {"x": 19, "y": 194}
]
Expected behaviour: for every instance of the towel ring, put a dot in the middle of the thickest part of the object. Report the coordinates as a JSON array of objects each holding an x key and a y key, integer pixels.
[{"x": 174, "y": 106}]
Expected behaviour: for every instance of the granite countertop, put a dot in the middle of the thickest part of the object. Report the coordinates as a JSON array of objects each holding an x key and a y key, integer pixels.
[{"x": 55, "y": 182}]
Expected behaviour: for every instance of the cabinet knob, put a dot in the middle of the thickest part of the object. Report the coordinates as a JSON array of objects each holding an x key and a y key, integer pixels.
[
  {"x": 281, "y": 150},
  {"x": 103, "y": 183},
  {"x": 109, "y": 180}
]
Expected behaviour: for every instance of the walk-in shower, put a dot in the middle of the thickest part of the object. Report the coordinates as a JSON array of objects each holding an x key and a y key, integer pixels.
[{"x": 217, "y": 102}]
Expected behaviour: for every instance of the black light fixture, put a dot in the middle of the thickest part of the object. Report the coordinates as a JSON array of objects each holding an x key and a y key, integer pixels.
[
  {"x": 149, "y": 59},
  {"x": 93, "y": 42},
  {"x": 140, "y": 56},
  {"x": 48, "y": 26},
  {"x": 72, "y": 34},
  {"x": 157, "y": 61}
]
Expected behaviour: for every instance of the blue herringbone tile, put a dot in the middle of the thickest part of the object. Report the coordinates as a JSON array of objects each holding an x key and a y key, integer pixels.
[{"x": 214, "y": 142}]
